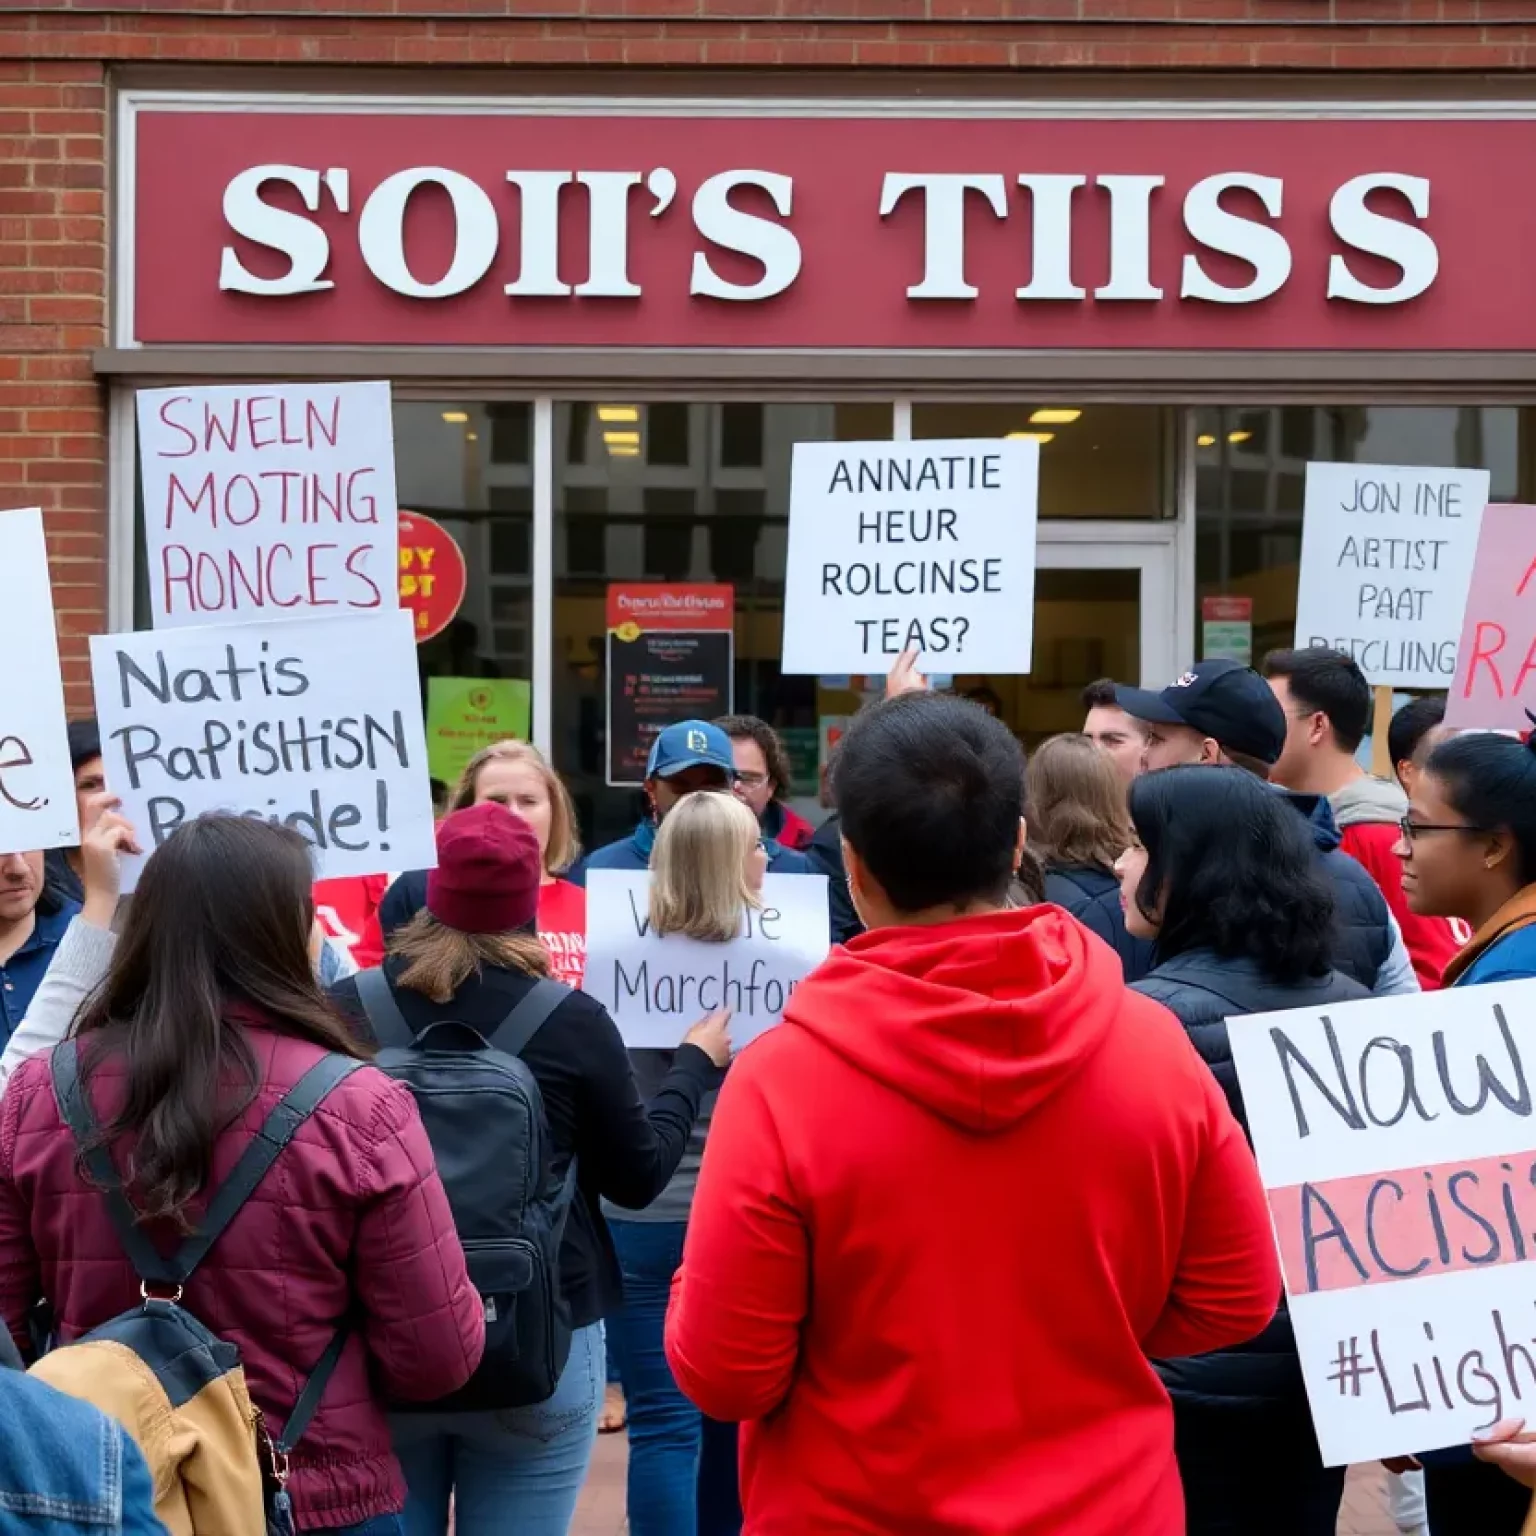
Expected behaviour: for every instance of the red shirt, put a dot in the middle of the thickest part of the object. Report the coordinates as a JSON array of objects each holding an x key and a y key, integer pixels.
[
  {"x": 948, "y": 1210},
  {"x": 346, "y": 906},
  {"x": 563, "y": 928}
]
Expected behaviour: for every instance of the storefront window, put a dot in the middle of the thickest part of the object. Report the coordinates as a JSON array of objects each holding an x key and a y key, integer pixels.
[
  {"x": 1095, "y": 461},
  {"x": 695, "y": 496},
  {"x": 1250, "y": 474}
]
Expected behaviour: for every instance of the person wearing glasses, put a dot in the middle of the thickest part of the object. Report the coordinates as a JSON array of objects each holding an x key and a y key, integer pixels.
[
  {"x": 763, "y": 779},
  {"x": 1468, "y": 846}
]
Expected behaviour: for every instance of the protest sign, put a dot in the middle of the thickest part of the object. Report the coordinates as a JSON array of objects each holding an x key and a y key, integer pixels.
[
  {"x": 314, "y": 723},
  {"x": 1397, "y": 1146},
  {"x": 266, "y": 501},
  {"x": 671, "y": 657},
  {"x": 1496, "y": 660},
  {"x": 465, "y": 714},
  {"x": 37, "y": 786},
  {"x": 657, "y": 988},
  {"x": 433, "y": 575},
  {"x": 1386, "y": 559},
  {"x": 925, "y": 544}
]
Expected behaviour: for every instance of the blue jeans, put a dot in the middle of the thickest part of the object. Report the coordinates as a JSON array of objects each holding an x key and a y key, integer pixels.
[
  {"x": 380, "y": 1525},
  {"x": 512, "y": 1472},
  {"x": 682, "y": 1471}
]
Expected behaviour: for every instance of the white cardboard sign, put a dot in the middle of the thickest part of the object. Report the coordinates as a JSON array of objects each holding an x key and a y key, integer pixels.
[
  {"x": 37, "y": 787},
  {"x": 1386, "y": 561},
  {"x": 928, "y": 544},
  {"x": 268, "y": 501},
  {"x": 656, "y": 989},
  {"x": 315, "y": 723},
  {"x": 1397, "y": 1143}
]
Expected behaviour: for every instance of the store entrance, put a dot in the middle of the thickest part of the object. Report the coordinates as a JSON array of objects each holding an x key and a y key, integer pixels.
[{"x": 1104, "y": 607}]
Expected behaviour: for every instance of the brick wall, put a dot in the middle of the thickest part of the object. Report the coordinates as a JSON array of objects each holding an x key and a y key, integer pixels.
[{"x": 55, "y": 61}]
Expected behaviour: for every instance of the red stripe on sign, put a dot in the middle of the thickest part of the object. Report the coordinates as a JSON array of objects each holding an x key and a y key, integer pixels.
[{"x": 1382, "y": 1227}]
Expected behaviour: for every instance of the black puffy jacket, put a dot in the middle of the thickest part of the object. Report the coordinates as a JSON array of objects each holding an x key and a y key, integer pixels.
[
  {"x": 825, "y": 851},
  {"x": 1092, "y": 896},
  {"x": 1203, "y": 990}
]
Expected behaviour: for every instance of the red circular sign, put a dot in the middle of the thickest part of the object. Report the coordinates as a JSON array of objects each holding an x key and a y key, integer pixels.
[{"x": 433, "y": 577}]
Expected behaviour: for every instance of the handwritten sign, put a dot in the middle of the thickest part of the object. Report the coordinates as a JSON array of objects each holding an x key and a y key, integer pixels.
[
  {"x": 37, "y": 786},
  {"x": 1496, "y": 660},
  {"x": 926, "y": 544},
  {"x": 313, "y": 723},
  {"x": 656, "y": 989},
  {"x": 1397, "y": 1144},
  {"x": 1386, "y": 560},
  {"x": 268, "y": 501}
]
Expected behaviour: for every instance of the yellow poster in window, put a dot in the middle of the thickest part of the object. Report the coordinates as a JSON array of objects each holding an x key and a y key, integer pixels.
[{"x": 465, "y": 714}]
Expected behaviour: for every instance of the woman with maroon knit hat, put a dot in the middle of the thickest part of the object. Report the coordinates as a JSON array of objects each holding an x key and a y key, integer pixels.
[{"x": 471, "y": 955}]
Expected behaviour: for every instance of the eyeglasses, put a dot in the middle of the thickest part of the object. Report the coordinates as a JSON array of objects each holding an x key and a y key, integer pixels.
[
  {"x": 1412, "y": 830},
  {"x": 751, "y": 780}
]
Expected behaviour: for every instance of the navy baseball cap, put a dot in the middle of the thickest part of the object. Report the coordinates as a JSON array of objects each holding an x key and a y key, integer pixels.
[
  {"x": 1221, "y": 699},
  {"x": 690, "y": 744}
]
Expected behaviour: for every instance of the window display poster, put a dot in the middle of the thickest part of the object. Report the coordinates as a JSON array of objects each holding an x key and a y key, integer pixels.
[
  {"x": 433, "y": 576},
  {"x": 671, "y": 657},
  {"x": 467, "y": 714}
]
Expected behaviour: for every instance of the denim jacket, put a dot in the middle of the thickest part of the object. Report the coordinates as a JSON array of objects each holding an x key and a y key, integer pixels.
[{"x": 67, "y": 1470}]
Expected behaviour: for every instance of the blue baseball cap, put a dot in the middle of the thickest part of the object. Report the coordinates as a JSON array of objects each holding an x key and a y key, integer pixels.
[{"x": 690, "y": 744}]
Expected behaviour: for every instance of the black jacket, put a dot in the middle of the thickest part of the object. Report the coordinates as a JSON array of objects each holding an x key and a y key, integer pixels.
[
  {"x": 1092, "y": 896},
  {"x": 1203, "y": 990},
  {"x": 1361, "y": 914},
  {"x": 825, "y": 851},
  {"x": 626, "y": 1150}
]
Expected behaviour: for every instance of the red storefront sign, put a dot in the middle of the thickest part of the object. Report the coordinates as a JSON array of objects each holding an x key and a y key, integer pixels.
[
  {"x": 433, "y": 578},
  {"x": 580, "y": 227}
]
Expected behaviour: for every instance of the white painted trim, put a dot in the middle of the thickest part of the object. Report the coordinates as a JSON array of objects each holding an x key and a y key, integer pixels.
[
  {"x": 122, "y": 505},
  {"x": 901, "y": 421},
  {"x": 124, "y": 295},
  {"x": 543, "y": 577},
  {"x": 1186, "y": 590}
]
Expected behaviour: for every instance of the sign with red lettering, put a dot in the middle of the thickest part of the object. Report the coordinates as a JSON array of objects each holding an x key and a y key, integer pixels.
[
  {"x": 833, "y": 224},
  {"x": 1394, "y": 1140},
  {"x": 268, "y": 501},
  {"x": 1496, "y": 667},
  {"x": 433, "y": 576}
]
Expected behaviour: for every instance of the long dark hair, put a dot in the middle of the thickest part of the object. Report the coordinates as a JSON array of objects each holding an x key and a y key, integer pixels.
[
  {"x": 1231, "y": 867},
  {"x": 218, "y": 927}
]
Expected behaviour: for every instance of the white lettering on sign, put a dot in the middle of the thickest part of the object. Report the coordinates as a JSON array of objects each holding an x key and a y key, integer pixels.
[{"x": 1235, "y": 215}]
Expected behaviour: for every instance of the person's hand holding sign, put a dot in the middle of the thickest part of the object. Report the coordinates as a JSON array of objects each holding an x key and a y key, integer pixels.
[
  {"x": 105, "y": 836},
  {"x": 1508, "y": 1444},
  {"x": 904, "y": 676},
  {"x": 712, "y": 1035}
]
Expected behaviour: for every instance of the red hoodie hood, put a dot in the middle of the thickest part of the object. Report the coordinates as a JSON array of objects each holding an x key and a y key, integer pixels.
[{"x": 980, "y": 1020}]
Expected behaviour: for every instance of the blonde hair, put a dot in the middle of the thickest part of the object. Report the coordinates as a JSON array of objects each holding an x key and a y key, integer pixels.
[
  {"x": 439, "y": 959},
  {"x": 564, "y": 837},
  {"x": 699, "y": 868}
]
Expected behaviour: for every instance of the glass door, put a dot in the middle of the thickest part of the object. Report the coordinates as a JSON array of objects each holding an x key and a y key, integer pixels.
[{"x": 1104, "y": 607}]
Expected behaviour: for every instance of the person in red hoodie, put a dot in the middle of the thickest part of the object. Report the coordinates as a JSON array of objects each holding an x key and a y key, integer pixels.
[
  {"x": 1327, "y": 704},
  {"x": 955, "y": 1201}
]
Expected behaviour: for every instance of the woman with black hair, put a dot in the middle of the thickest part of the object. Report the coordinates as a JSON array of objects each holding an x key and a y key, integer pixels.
[
  {"x": 1468, "y": 848},
  {"x": 1223, "y": 879}
]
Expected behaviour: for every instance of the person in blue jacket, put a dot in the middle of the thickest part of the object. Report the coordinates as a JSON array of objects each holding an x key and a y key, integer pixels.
[
  {"x": 691, "y": 757},
  {"x": 1468, "y": 848}
]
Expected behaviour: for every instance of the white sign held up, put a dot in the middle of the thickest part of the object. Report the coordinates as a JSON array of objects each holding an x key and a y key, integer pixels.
[
  {"x": 657, "y": 988},
  {"x": 926, "y": 544},
  {"x": 1397, "y": 1143},
  {"x": 268, "y": 501},
  {"x": 37, "y": 787},
  {"x": 1386, "y": 561},
  {"x": 314, "y": 723}
]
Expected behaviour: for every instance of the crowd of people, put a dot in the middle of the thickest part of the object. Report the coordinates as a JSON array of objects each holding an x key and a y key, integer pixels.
[{"x": 340, "y": 1207}]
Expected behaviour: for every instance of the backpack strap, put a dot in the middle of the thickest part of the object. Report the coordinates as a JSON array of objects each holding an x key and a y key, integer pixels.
[
  {"x": 378, "y": 999},
  {"x": 527, "y": 1018},
  {"x": 309, "y": 1399}
]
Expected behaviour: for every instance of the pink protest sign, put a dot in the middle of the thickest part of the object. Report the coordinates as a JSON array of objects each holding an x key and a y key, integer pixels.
[{"x": 1495, "y": 679}]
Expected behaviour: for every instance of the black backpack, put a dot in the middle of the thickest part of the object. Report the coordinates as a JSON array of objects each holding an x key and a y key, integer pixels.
[
  {"x": 185, "y": 1359},
  {"x": 484, "y": 1116}
]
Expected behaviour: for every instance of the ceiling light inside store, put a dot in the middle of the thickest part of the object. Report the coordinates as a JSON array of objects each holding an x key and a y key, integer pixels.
[
  {"x": 630, "y": 439},
  {"x": 1205, "y": 440},
  {"x": 1238, "y": 437},
  {"x": 471, "y": 437},
  {"x": 619, "y": 451},
  {"x": 618, "y": 413},
  {"x": 1055, "y": 416},
  {"x": 456, "y": 418},
  {"x": 1034, "y": 437}
]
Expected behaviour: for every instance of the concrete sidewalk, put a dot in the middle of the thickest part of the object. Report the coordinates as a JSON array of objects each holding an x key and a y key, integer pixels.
[{"x": 1364, "y": 1512}]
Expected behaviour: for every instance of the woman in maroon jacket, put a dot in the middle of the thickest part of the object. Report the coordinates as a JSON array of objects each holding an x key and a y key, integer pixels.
[{"x": 210, "y": 1013}]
